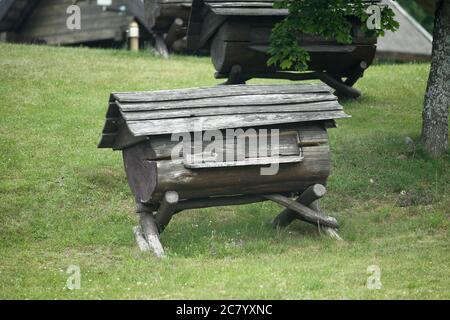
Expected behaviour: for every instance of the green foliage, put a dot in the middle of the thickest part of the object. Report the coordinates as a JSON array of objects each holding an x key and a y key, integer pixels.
[{"x": 331, "y": 19}]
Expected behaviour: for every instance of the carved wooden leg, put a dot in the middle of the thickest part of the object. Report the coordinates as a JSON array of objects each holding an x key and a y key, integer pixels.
[
  {"x": 160, "y": 46},
  {"x": 309, "y": 198},
  {"x": 331, "y": 232},
  {"x": 310, "y": 195},
  {"x": 140, "y": 240},
  {"x": 303, "y": 212},
  {"x": 235, "y": 76},
  {"x": 341, "y": 88},
  {"x": 149, "y": 231},
  {"x": 166, "y": 209}
]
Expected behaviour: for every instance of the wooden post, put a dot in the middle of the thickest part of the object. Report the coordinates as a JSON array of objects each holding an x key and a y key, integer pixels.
[
  {"x": 309, "y": 198},
  {"x": 356, "y": 74},
  {"x": 160, "y": 46},
  {"x": 235, "y": 75},
  {"x": 140, "y": 240},
  {"x": 133, "y": 36},
  {"x": 331, "y": 232},
  {"x": 166, "y": 209},
  {"x": 174, "y": 32},
  {"x": 303, "y": 212},
  {"x": 340, "y": 87},
  {"x": 310, "y": 195},
  {"x": 150, "y": 231}
]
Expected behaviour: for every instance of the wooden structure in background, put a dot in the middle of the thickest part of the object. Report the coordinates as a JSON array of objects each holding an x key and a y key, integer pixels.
[
  {"x": 168, "y": 20},
  {"x": 411, "y": 42},
  {"x": 237, "y": 34},
  {"x": 44, "y": 21},
  {"x": 167, "y": 177}
]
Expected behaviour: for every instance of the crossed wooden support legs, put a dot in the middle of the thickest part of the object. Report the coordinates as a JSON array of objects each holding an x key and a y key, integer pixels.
[
  {"x": 305, "y": 208},
  {"x": 151, "y": 225}
]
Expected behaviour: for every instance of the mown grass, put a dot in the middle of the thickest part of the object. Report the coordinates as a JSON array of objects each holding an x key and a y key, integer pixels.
[{"x": 64, "y": 202}]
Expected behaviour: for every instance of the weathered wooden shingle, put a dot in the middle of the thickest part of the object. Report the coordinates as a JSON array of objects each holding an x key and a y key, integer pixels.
[{"x": 132, "y": 116}]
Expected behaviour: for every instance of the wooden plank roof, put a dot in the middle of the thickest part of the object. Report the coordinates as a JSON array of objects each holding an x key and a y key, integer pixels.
[
  {"x": 141, "y": 114},
  {"x": 15, "y": 13}
]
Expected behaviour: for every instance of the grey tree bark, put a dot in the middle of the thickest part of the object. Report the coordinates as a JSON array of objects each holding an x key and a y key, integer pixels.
[{"x": 437, "y": 99}]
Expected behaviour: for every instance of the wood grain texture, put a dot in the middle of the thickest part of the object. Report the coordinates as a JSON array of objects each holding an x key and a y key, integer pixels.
[{"x": 181, "y": 125}]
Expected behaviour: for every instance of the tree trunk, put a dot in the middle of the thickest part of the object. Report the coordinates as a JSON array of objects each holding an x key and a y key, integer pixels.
[{"x": 437, "y": 98}]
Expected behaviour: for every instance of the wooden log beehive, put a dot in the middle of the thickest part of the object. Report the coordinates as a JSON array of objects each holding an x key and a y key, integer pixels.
[
  {"x": 237, "y": 33},
  {"x": 147, "y": 127}
]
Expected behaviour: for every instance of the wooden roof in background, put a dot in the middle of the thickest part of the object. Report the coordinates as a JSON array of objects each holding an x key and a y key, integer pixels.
[
  {"x": 410, "y": 42},
  {"x": 45, "y": 20},
  {"x": 138, "y": 114}
]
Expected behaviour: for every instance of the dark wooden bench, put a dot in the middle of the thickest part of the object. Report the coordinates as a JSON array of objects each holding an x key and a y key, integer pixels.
[
  {"x": 237, "y": 34},
  {"x": 167, "y": 177}
]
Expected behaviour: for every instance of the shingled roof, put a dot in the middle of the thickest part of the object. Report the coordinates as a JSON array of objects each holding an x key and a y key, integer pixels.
[{"x": 132, "y": 116}]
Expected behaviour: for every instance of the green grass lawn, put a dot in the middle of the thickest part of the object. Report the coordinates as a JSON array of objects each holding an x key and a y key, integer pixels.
[{"x": 64, "y": 202}]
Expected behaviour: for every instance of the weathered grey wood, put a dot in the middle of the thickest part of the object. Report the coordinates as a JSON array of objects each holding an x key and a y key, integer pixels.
[
  {"x": 45, "y": 22},
  {"x": 175, "y": 32},
  {"x": 242, "y": 163},
  {"x": 141, "y": 173},
  {"x": 309, "y": 135},
  {"x": 218, "y": 91},
  {"x": 331, "y": 232},
  {"x": 160, "y": 47},
  {"x": 180, "y": 125},
  {"x": 161, "y": 14},
  {"x": 308, "y": 197},
  {"x": 211, "y": 2},
  {"x": 151, "y": 233},
  {"x": 239, "y": 4},
  {"x": 202, "y": 183},
  {"x": 199, "y": 111},
  {"x": 234, "y": 76},
  {"x": 218, "y": 202},
  {"x": 339, "y": 85},
  {"x": 166, "y": 209},
  {"x": 179, "y": 45},
  {"x": 274, "y": 75},
  {"x": 140, "y": 240},
  {"x": 301, "y": 101},
  {"x": 210, "y": 23},
  {"x": 249, "y": 11},
  {"x": 304, "y": 212}
]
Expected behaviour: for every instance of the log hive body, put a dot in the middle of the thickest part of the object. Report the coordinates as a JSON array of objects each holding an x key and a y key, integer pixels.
[{"x": 165, "y": 177}]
